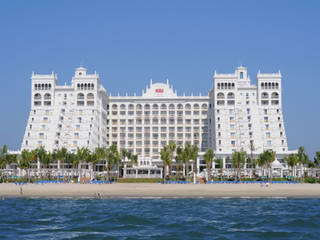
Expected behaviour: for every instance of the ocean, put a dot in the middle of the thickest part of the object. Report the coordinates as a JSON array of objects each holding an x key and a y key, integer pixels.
[{"x": 179, "y": 218}]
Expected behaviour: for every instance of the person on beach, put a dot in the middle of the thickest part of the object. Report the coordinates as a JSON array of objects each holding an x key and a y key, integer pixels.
[{"x": 21, "y": 191}]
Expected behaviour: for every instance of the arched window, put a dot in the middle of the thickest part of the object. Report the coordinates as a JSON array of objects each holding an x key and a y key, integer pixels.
[
  {"x": 171, "y": 106},
  {"x": 218, "y": 85},
  {"x": 275, "y": 95},
  {"x": 232, "y": 85},
  {"x": 262, "y": 85},
  {"x": 92, "y": 86},
  {"x": 80, "y": 99},
  {"x": 35, "y": 87},
  {"x": 131, "y": 107},
  {"x": 80, "y": 96},
  {"x": 220, "y": 95},
  {"x": 139, "y": 107},
  {"x": 42, "y": 86},
  {"x": 196, "y": 106},
  {"x": 229, "y": 85},
  {"x": 90, "y": 96},
  {"x": 155, "y": 107},
  {"x": 85, "y": 86},
  {"x": 180, "y": 106},
  {"x": 37, "y": 96},
  {"x": 114, "y": 107},
  {"x": 269, "y": 85},
  {"x": 147, "y": 107},
  {"x": 277, "y": 85},
  {"x": 264, "y": 95},
  {"x": 90, "y": 99},
  {"x": 47, "y": 96},
  {"x": 46, "y": 86},
  {"x": 49, "y": 86},
  {"x": 188, "y": 106},
  {"x": 204, "y": 106},
  {"x": 78, "y": 85},
  {"x": 230, "y": 95},
  {"x": 163, "y": 107},
  {"x": 122, "y": 107}
]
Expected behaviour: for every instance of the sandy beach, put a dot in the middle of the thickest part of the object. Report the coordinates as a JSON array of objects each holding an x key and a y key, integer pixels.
[{"x": 160, "y": 190}]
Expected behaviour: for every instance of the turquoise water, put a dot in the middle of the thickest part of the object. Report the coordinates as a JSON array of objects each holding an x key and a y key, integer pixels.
[{"x": 219, "y": 218}]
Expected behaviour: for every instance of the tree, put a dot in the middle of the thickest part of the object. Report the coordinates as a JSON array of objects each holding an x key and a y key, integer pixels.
[
  {"x": 82, "y": 155},
  {"x": 220, "y": 162},
  {"x": 268, "y": 158},
  {"x": 124, "y": 155},
  {"x": 101, "y": 154},
  {"x": 238, "y": 159},
  {"x": 61, "y": 155},
  {"x": 194, "y": 156},
  {"x": 112, "y": 157},
  {"x": 208, "y": 157},
  {"x": 172, "y": 148},
  {"x": 187, "y": 156},
  {"x": 179, "y": 160},
  {"x": 317, "y": 159},
  {"x": 292, "y": 161},
  {"x": 303, "y": 159},
  {"x": 25, "y": 161},
  {"x": 165, "y": 157}
]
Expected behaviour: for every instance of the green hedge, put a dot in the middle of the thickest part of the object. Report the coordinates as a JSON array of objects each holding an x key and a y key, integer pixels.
[{"x": 139, "y": 180}]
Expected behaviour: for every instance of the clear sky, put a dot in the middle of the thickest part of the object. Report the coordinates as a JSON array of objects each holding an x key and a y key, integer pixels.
[{"x": 129, "y": 42}]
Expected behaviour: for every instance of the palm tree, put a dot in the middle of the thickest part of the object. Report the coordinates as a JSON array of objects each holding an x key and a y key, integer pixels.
[
  {"x": 82, "y": 155},
  {"x": 133, "y": 159},
  {"x": 220, "y": 162},
  {"x": 25, "y": 161},
  {"x": 179, "y": 161},
  {"x": 266, "y": 159},
  {"x": 61, "y": 155},
  {"x": 238, "y": 159},
  {"x": 165, "y": 157},
  {"x": 101, "y": 154},
  {"x": 317, "y": 159},
  {"x": 172, "y": 148},
  {"x": 113, "y": 157},
  {"x": 209, "y": 160},
  {"x": 292, "y": 161},
  {"x": 303, "y": 159},
  {"x": 4, "y": 158},
  {"x": 187, "y": 156},
  {"x": 194, "y": 155},
  {"x": 124, "y": 155}
]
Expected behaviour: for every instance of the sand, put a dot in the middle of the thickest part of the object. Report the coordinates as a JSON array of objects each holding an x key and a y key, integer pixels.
[{"x": 143, "y": 190}]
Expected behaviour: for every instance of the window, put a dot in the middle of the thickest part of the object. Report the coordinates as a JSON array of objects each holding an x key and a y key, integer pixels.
[
  {"x": 269, "y": 143},
  {"x": 241, "y": 75},
  {"x": 233, "y": 143},
  {"x": 267, "y": 135},
  {"x": 265, "y": 111}
]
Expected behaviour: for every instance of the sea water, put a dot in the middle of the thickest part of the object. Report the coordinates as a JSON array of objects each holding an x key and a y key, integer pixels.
[{"x": 220, "y": 218}]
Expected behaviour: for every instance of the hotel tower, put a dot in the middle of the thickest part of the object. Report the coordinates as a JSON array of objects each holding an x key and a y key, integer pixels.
[{"x": 235, "y": 115}]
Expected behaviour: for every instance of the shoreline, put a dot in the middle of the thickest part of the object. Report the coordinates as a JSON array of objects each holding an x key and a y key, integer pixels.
[{"x": 154, "y": 190}]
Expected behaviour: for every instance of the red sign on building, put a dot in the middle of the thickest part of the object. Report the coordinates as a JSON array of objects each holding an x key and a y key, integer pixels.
[{"x": 159, "y": 90}]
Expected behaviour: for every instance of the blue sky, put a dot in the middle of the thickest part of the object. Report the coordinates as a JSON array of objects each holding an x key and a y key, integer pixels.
[{"x": 129, "y": 42}]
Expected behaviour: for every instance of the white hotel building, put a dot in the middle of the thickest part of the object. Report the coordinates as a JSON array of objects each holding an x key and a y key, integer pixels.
[{"x": 235, "y": 115}]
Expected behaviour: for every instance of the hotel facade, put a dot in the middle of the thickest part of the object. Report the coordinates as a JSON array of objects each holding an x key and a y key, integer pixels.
[{"x": 234, "y": 115}]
